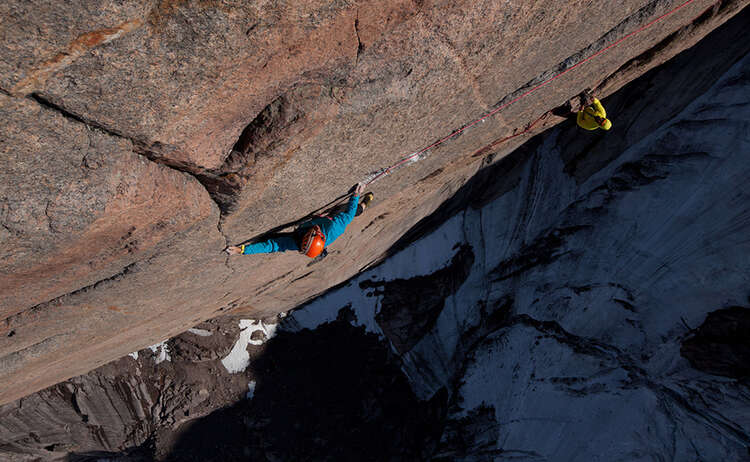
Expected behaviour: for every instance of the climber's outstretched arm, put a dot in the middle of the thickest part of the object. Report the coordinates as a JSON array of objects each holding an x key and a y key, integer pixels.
[{"x": 277, "y": 244}]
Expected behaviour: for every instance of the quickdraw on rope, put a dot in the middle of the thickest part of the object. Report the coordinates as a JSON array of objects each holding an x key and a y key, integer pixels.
[{"x": 415, "y": 156}]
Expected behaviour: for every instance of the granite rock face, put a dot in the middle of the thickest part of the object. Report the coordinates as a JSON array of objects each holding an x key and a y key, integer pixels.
[
  {"x": 589, "y": 300},
  {"x": 139, "y": 138}
]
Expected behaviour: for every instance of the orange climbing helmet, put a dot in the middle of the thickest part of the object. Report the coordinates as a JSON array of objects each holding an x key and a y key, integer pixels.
[{"x": 313, "y": 242}]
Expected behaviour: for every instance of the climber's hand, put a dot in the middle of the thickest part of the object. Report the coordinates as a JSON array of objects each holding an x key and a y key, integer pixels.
[
  {"x": 359, "y": 189},
  {"x": 232, "y": 250}
]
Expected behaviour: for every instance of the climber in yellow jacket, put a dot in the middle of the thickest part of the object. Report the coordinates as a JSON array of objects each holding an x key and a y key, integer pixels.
[{"x": 593, "y": 115}]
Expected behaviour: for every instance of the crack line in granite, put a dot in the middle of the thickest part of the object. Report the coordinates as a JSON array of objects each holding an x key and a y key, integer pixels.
[{"x": 139, "y": 147}]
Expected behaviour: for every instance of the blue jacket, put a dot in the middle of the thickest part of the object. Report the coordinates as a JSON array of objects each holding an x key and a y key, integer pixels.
[{"x": 332, "y": 228}]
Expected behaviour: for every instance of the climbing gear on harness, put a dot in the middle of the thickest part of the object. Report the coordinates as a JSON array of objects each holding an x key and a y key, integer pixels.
[{"x": 313, "y": 242}]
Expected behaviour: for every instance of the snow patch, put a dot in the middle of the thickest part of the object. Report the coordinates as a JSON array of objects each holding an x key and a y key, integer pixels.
[
  {"x": 134, "y": 355},
  {"x": 250, "y": 390},
  {"x": 161, "y": 350},
  {"x": 238, "y": 359},
  {"x": 200, "y": 332}
]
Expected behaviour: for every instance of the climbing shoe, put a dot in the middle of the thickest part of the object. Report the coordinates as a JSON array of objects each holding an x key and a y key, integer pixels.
[{"x": 366, "y": 199}]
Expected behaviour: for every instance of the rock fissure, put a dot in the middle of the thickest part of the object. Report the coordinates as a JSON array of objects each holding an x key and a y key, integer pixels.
[
  {"x": 263, "y": 145},
  {"x": 144, "y": 149},
  {"x": 360, "y": 45},
  {"x": 47, "y": 103},
  {"x": 17, "y": 319},
  {"x": 49, "y": 218},
  {"x": 150, "y": 151}
]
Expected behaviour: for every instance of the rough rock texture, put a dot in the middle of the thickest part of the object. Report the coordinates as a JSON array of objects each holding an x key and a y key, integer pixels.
[
  {"x": 586, "y": 304},
  {"x": 128, "y": 401},
  {"x": 125, "y": 124}
]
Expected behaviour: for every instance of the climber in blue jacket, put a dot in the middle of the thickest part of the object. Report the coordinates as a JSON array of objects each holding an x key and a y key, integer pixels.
[{"x": 312, "y": 236}]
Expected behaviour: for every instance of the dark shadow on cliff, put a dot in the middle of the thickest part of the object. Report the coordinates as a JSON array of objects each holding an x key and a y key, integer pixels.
[
  {"x": 721, "y": 345},
  {"x": 633, "y": 113},
  {"x": 335, "y": 393}
]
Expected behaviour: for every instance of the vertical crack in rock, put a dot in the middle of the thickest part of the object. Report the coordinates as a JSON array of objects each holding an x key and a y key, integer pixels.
[
  {"x": 267, "y": 143},
  {"x": 226, "y": 182},
  {"x": 360, "y": 45},
  {"x": 49, "y": 219}
]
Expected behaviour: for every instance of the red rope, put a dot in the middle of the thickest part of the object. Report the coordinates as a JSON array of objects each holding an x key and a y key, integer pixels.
[{"x": 386, "y": 171}]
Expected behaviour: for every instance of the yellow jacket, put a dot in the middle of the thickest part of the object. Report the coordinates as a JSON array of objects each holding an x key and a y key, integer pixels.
[{"x": 587, "y": 116}]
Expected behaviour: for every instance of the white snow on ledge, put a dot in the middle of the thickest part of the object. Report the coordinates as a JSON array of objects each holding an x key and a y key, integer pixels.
[
  {"x": 238, "y": 359},
  {"x": 200, "y": 332},
  {"x": 161, "y": 350}
]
